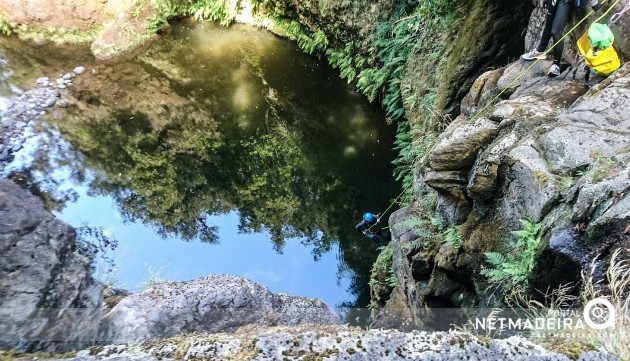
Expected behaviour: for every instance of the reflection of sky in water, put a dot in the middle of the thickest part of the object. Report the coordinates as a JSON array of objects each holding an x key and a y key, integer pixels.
[
  {"x": 142, "y": 251},
  {"x": 247, "y": 255}
]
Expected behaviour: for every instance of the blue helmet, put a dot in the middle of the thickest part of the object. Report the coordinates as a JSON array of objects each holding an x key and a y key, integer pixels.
[{"x": 368, "y": 217}]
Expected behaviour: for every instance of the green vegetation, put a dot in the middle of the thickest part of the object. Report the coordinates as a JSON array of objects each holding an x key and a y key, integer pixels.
[
  {"x": 452, "y": 238},
  {"x": 382, "y": 270},
  {"x": 431, "y": 232},
  {"x": 58, "y": 35},
  {"x": 222, "y": 11},
  {"x": 601, "y": 167},
  {"x": 394, "y": 41},
  {"x": 155, "y": 276},
  {"x": 512, "y": 270},
  {"x": 5, "y": 27},
  {"x": 413, "y": 28},
  {"x": 311, "y": 43}
]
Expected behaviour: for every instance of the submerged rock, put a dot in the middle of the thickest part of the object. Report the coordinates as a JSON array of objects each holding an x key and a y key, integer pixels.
[
  {"x": 48, "y": 298},
  {"x": 216, "y": 303}
]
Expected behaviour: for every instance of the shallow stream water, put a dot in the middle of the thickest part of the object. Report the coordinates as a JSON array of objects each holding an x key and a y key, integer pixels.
[{"x": 214, "y": 150}]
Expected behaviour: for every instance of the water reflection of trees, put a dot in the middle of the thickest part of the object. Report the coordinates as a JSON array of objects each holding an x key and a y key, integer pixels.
[
  {"x": 291, "y": 171},
  {"x": 280, "y": 180}
]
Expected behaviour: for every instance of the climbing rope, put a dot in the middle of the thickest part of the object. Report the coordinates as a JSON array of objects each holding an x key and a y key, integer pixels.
[
  {"x": 520, "y": 75},
  {"x": 617, "y": 16},
  {"x": 378, "y": 219}
]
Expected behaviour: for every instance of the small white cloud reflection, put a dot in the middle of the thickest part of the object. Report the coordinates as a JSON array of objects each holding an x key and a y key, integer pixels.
[{"x": 264, "y": 277}]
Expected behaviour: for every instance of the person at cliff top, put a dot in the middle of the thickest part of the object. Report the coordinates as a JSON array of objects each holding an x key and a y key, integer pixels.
[
  {"x": 368, "y": 227},
  {"x": 555, "y": 22}
]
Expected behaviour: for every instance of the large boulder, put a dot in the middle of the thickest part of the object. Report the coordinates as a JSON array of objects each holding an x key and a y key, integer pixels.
[
  {"x": 216, "y": 303},
  {"x": 48, "y": 298}
]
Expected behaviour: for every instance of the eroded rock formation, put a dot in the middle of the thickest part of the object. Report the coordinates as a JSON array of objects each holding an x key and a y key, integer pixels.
[
  {"x": 48, "y": 298},
  {"x": 216, "y": 303},
  {"x": 550, "y": 151}
]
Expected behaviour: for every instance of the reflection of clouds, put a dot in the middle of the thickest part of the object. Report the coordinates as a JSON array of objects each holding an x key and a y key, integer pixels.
[
  {"x": 358, "y": 118},
  {"x": 240, "y": 74},
  {"x": 360, "y": 129},
  {"x": 108, "y": 233}
]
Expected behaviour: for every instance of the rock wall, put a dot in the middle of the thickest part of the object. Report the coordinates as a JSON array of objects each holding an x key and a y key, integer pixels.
[
  {"x": 216, "y": 303},
  {"x": 341, "y": 21},
  {"x": 48, "y": 298},
  {"x": 553, "y": 152}
]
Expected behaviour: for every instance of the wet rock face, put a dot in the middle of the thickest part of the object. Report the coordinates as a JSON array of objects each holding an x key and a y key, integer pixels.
[
  {"x": 561, "y": 263},
  {"x": 429, "y": 288},
  {"x": 48, "y": 298},
  {"x": 216, "y": 303}
]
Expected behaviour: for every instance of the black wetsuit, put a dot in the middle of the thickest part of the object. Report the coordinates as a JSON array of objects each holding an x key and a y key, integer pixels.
[{"x": 369, "y": 229}]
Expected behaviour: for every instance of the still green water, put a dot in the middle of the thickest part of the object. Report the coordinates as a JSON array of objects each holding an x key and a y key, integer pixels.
[{"x": 214, "y": 128}]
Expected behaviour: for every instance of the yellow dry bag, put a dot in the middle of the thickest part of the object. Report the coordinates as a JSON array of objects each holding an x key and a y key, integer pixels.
[{"x": 604, "y": 61}]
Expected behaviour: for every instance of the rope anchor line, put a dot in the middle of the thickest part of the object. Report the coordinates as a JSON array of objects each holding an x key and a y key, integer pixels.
[{"x": 378, "y": 219}]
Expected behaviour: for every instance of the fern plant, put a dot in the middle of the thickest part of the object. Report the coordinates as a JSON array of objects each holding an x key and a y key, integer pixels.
[
  {"x": 382, "y": 266},
  {"x": 513, "y": 269},
  {"x": 215, "y": 10},
  {"x": 392, "y": 280},
  {"x": 452, "y": 238}
]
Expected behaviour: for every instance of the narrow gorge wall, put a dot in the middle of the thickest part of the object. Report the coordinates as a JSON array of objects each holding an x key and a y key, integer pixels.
[{"x": 550, "y": 151}]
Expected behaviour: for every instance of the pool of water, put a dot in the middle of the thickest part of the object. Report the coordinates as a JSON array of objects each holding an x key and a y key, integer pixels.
[{"x": 214, "y": 150}]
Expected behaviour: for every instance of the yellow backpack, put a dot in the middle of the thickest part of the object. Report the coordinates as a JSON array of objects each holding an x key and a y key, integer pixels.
[
  {"x": 601, "y": 57},
  {"x": 603, "y": 62}
]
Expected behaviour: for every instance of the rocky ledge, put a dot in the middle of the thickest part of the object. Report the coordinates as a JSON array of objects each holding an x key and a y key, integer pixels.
[
  {"x": 313, "y": 342},
  {"x": 216, "y": 303}
]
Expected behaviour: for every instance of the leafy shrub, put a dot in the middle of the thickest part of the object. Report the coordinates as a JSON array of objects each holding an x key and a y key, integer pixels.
[
  {"x": 452, "y": 238},
  {"x": 5, "y": 27},
  {"x": 311, "y": 43},
  {"x": 383, "y": 266},
  {"x": 94, "y": 243},
  {"x": 223, "y": 11}
]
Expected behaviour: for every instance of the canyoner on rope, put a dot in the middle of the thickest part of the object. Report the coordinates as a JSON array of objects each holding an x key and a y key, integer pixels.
[
  {"x": 368, "y": 226},
  {"x": 597, "y": 49}
]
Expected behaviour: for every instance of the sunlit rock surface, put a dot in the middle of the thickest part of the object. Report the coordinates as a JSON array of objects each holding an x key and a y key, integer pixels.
[{"x": 216, "y": 303}]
